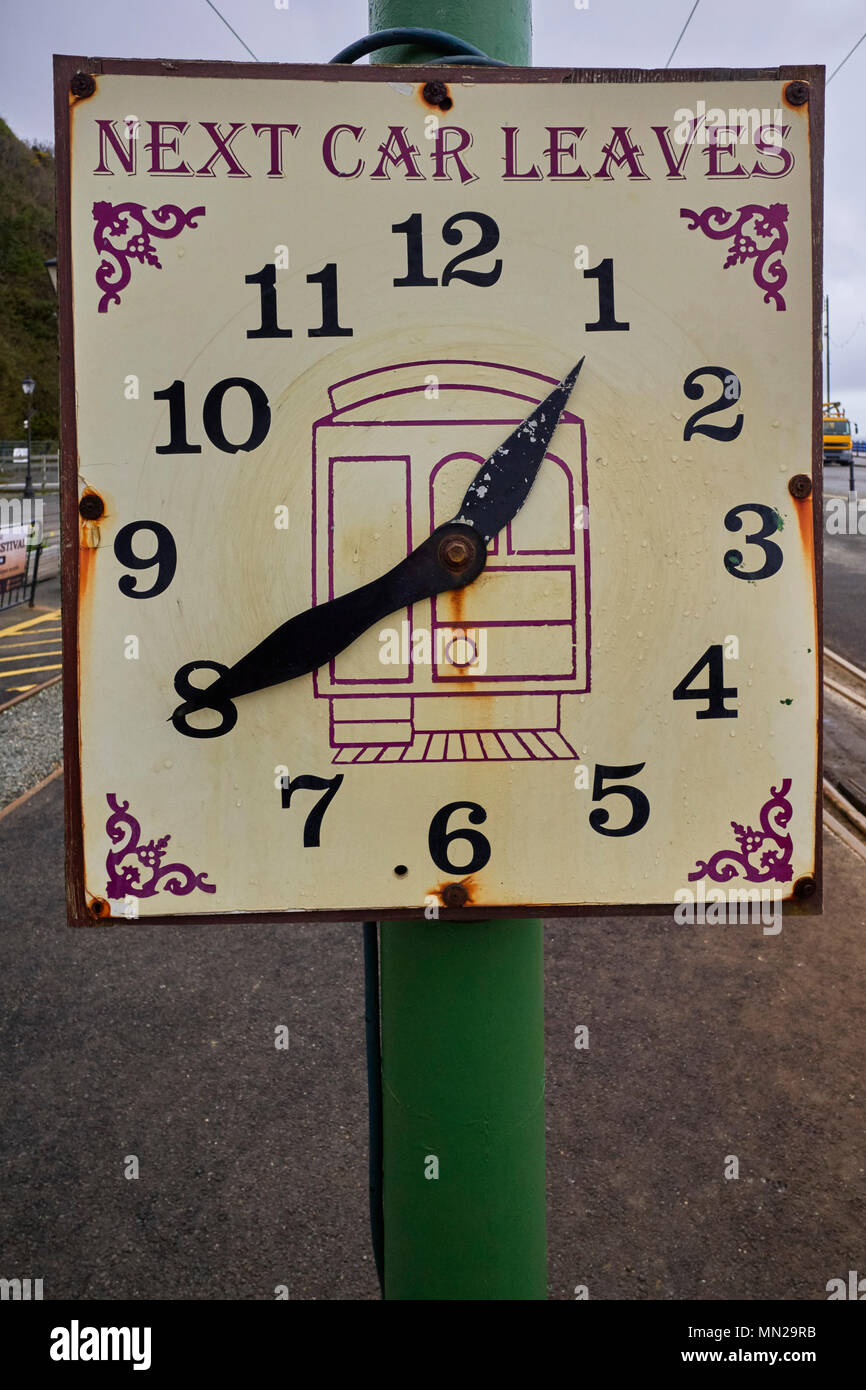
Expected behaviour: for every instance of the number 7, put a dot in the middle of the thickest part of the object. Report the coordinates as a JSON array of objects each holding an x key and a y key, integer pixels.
[{"x": 308, "y": 783}]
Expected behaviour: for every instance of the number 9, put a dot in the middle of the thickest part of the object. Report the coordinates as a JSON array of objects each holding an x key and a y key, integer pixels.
[{"x": 164, "y": 557}]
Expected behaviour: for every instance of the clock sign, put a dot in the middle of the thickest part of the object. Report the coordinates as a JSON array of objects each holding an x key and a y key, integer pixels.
[{"x": 441, "y": 467}]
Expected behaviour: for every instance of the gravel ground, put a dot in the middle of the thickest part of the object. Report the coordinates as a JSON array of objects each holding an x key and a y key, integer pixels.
[{"x": 31, "y": 742}]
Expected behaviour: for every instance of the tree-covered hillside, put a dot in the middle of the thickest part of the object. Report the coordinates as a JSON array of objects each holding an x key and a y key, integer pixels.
[{"x": 28, "y": 322}]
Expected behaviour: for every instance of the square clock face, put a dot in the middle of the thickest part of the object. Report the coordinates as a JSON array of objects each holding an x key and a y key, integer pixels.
[{"x": 441, "y": 464}]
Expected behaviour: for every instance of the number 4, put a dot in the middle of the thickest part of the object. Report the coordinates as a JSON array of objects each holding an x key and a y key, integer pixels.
[{"x": 715, "y": 692}]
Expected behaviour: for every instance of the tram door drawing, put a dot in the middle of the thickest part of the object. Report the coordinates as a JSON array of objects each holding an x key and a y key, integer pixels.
[{"x": 474, "y": 674}]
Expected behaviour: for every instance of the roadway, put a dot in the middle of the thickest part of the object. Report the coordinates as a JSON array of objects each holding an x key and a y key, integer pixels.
[
  {"x": 845, "y": 574},
  {"x": 30, "y": 645}
]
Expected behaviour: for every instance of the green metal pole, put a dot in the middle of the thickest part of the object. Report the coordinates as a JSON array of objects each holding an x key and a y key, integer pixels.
[
  {"x": 463, "y": 1003},
  {"x": 500, "y": 28},
  {"x": 463, "y": 1111}
]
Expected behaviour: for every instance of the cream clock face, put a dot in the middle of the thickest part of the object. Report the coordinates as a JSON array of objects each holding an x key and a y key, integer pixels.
[{"x": 311, "y": 311}]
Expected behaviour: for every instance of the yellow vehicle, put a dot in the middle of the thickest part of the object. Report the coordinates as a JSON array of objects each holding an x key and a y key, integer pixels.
[{"x": 837, "y": 434}]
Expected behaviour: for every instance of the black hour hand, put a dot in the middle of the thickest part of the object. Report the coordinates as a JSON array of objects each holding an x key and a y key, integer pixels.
[{"x": 450, "y": 558}]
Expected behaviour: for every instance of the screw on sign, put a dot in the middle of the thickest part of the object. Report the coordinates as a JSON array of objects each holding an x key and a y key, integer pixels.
[
  {"x": 91, "y": 506},
  {"x": 82, "y": 84},
  {"x": 437, "y": 94},
  {"x": 797, "y": 93}
]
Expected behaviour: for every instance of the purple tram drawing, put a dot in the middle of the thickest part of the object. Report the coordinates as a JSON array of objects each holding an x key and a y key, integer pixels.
[{"x": 461, "y": 677}]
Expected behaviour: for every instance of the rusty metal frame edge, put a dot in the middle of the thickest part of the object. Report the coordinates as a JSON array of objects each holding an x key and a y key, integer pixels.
[
  {"x": 76, "y": 902},
  {"x": 791, "y": 907},
  {"x": 816, "y": 80},
  {"x": 65, "y": 65},
  {"x": 419, "y": 72}
]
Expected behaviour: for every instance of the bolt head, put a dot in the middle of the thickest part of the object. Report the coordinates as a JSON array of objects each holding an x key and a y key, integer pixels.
[
  {"x": 91, "y": 506},
  {"x": 82, "y": 84},
  {"x": 800, "y": 486},
  {"x": 436, "y": 94},
  {"x": 454, "y": 895},
  {"x": 805, "y": 887},
  {"x": 797, "y": 93},
  {"x": 456, "y": 553}
]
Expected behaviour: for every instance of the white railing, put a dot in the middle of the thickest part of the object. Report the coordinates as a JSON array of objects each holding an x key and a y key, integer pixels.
[{"x": 44, "y": 472}]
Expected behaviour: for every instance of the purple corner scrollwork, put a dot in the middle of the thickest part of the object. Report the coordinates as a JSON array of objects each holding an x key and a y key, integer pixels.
[
  {"x": 124, "y": 879},
  {"x": 767, "y": 225},
  {"x": 774, "y": 864},
  {"x": 113, "y": 221}
]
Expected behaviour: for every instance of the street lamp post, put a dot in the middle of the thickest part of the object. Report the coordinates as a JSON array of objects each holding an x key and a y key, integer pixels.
[{"x": 28, "y": 386}]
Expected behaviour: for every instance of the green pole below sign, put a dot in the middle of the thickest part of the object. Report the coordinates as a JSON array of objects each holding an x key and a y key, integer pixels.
[
  {"x": 463, "y": 1003},
  {"x": 463, "y": 1110},
  {"x": 500, "y": 28}
]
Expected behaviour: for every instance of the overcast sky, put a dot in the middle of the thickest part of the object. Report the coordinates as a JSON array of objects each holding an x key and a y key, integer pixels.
[{"x": 609, "y": 33}]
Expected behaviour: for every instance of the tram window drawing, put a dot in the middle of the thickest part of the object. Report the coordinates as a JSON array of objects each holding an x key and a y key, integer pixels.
[{"x": 472, "y": 675}]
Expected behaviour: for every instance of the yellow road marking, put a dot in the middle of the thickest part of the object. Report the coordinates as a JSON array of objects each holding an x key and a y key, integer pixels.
[
  {"x": 22, "y": 656},
  {"x": 20, "y": 689},
  {"x": 26, "y": 670},
  {"x": 49, "y": 617},
  {"x": 29, "y": 641},
  {"x": 43, "y": 627}
]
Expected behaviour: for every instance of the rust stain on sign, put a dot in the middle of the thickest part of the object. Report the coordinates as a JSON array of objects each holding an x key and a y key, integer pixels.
[
  {"x": 795, "y": 96},
  {"x": 435, "y": 96},
  {"x": 82, "y": 86},
  {"x": 456, "y": 893},
  {"x": 803, "y": 510},
  {"x": 91, "y": 510}
]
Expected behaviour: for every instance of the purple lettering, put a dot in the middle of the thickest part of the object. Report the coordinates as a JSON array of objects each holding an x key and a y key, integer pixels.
[
  {"x": 718, "y": 147},
  {"x": 328, "y": 151},
  {"x": 511, "y": 133},
  {"x": 676, "y": 166},
  {"x": 442, "y": 153},
  {"x": 629, "y": 154},
  {"x": 397, "y": 150},
  {"x": 276, "y": 130},
  {"x": 555, "y": 151},
  {"x": 223, "y": 150},
  {"x": 126, "y": 153},
  {"x": 772, "y": 147},
  {"x": 157, "y": 144}
]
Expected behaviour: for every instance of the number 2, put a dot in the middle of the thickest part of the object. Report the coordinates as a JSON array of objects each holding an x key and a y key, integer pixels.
[{"x": 730, "y": 383}]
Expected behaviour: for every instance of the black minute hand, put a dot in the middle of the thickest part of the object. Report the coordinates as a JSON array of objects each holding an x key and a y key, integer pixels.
[
  {"x": 502, "y": 484},
  {"x": 450, "y": 558}
]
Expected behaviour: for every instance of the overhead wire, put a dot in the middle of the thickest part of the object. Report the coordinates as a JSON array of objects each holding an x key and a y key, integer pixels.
[
  {"x": 682, "y": 31},
  {"x": 845, "y": 59},
  {"x": 861, "y": 323},
  {"x": 233, "y": 31}
]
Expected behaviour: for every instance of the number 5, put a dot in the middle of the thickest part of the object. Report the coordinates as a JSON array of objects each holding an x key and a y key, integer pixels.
[{"x": 640, "y": 806}]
